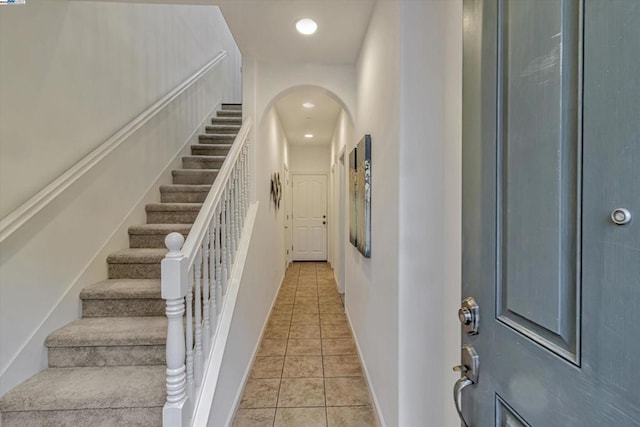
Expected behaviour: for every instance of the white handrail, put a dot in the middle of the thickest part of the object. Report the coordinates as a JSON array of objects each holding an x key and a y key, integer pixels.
[
  {"x": 18, "y": 217},
  {"x": 194, "y": 278}
]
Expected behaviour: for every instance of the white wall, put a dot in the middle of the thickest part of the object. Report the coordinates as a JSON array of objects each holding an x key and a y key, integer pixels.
[
  {"x": 372, "y": 284},
  {"x": 78, "y": 73},
  {"x": 73, "y": 73},
  {"x": 402, "y": 302},
  {"x": 429, "y": 227},
  {"x": 309, "y": 158}
]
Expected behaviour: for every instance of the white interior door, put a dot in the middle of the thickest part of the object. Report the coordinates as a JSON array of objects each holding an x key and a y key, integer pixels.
[{"x": 309, "y": 217}]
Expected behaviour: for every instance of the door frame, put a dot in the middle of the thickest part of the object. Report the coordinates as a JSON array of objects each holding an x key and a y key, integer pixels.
[
  {"x": 326, "y": 175},
  {"x": 341, "y": 235},
  {"x": 288, "y": 220}
]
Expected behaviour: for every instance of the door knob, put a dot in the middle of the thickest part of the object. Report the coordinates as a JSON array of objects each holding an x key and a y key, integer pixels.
[
  {"x": 621, "y": 216},
  {"x": 469, "y": 373}
]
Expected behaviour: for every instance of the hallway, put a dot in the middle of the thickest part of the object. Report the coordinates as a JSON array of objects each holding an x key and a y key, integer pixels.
[{"x": 307, "y": 372}]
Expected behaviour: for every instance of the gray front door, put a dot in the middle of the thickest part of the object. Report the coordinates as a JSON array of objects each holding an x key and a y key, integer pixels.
[{"x": 551, "y": 147}]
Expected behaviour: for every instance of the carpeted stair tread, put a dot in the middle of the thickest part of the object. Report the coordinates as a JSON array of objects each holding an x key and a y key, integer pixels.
[
  {"x": 173, "y": 207},
  {"x": 122, "y": 289},
  {"x": 203, "y": 157},
  {"x": 226, "y": 120},
  {"x": 185, "y": 188},
  {"x": 110, "y": 331},
  {"x": 202, "y": 162},
  {"x": 229, "y": 113},
  {"x": 194, "y": 171},
  {"x": 184, "y": 193},
  {"x": 160, "y": 228},
  {"x": 89, "y": 388},
  {"x": 137, "y": 256},
  {"x": 223, "y": 129},
  {"x": 206, "y": 138}
]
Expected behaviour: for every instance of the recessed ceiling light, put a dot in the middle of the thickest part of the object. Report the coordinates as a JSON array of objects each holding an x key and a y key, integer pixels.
[
  {"x": 308, "y": 135},
  {"x": 308, "y": 105},
  {"x": 306, "y": 26}
]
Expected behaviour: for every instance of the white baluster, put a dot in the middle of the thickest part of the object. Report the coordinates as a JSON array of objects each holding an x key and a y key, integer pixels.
[
  {"x": 241, "y": 187},
  {"x": 218, "y": 256},
  {"x": 206, "y": 302},
  {"x": 228, "y": 249},
  {"x": 232, "y": 223},
  {"x": 247, "y": 174},
  {"x": 198, "y": 307},
  {"x": 236, "y": 201},
  {"x": 213, "y": 298},
  {"x": 189, "y": 321},
  {"x": 174, "y": 278},
  {"x": 224, "y": 235}
]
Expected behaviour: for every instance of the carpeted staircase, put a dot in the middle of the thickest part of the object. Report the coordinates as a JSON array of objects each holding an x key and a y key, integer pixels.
[{"x": 108, "y": 368}]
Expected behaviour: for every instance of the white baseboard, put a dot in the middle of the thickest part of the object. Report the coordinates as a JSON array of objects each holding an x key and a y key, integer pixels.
[
  {"x": 374, "y": 398},
  {"x": 245, "y": 377}
]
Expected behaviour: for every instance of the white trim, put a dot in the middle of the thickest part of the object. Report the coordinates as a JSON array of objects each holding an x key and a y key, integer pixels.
[
  {"x": 40, "y": 200},
  {"x": 376, "y": 404},
  {"x": 245, "y": 377},
  {"x": 154, "y": 186},
  {"x": 214, "y": 364}
]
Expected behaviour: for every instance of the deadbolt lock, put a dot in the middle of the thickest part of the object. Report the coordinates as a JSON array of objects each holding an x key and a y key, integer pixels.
[{"x": 469, "y": 315}]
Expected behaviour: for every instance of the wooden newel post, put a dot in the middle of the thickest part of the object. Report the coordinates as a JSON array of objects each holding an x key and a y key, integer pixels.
[{"x": 174, "y": 285}]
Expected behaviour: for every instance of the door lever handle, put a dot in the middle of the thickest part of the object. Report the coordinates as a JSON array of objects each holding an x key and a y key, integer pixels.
[
  {"x": 460, "y": 385},
  {"x": 469, "y": 370}
]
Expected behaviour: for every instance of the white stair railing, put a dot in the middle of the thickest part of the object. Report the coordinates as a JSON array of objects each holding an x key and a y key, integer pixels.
[{"x": 195, "y": 274}]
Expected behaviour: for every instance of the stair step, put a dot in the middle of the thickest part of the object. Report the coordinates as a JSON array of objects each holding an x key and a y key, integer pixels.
[
  {"x": 232, "y": 107},
  {"x": 184, "y": 193},
  {"x": 109, "y": 341},
  {"x": 210, "y": 149},
  {"x": 216, "y": 138},
  {"x": 96, "y": 396},
  {"x": 223, "y": 129},
  {"x": 123, "y": 297},
  {"x": 226, "y": 121},
  {"x": 153, "y": 235},
  {"x": 135, "y": 263},
  {"x": 213, "y": 137},
  {"x": 229, "y": 113},
  {"x": 172, "y": 213},
  {"x": 202, "y": 162},
  {"x": 110, "y": 331},
  {"x": 194, "y": 176}
]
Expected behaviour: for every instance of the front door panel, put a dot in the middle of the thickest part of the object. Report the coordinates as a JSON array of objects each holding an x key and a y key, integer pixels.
[{"x": 551, "y": 146}]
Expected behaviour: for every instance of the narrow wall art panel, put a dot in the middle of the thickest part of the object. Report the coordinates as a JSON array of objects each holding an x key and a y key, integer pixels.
[
  {"x": 360, "y": 196},
  {"x": 363, "y": 167}
]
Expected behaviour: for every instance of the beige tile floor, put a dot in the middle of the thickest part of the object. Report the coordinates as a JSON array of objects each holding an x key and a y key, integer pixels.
[{"x": 307, "y": 372}]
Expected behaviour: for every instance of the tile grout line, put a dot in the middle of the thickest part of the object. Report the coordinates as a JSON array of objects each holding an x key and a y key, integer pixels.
[
  {"x": 286, "y": 348},
  {"x": 324, "y": 378}
]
